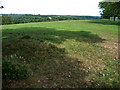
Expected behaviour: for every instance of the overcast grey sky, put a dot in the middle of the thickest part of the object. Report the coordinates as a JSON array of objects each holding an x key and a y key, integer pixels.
[{"x": 51, "y": 7}]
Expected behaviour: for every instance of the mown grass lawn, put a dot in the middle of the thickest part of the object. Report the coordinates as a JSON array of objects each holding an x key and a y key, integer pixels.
[{"x": 64, "y": 54}]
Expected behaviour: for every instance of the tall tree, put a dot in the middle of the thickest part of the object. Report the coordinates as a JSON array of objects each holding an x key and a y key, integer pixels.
[{"x": 110, "y": 9}]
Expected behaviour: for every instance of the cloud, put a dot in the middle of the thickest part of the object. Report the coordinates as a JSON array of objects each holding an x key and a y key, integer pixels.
[{"x": 58, "y": 7}]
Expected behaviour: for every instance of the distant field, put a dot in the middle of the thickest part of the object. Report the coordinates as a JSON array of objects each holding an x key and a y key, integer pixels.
[{"x": 66, "y": 54}]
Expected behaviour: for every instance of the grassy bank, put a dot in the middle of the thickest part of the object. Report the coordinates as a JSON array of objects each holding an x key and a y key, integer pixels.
[{"x": 66, "y": 54}]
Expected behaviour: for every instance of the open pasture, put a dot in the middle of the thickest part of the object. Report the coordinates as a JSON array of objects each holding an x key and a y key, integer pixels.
[{"x": 66, "y": 54}]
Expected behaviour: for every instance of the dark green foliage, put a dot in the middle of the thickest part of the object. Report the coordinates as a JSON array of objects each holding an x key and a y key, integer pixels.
[
  {"x": 105, "y": 22},
  {"x": 6, "y": 20},
  {"x": 26, "y": 37},
  {"x": 110, "y": 9},
  {"x": 27, "y": 18},
  {"x": 13, "y": 68}
]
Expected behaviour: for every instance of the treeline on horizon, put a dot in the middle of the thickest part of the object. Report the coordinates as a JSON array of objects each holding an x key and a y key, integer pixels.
[{"x": 27, "y": 18}]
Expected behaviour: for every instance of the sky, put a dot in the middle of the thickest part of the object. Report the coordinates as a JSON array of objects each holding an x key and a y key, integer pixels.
[{"x": 51, "y": 7}]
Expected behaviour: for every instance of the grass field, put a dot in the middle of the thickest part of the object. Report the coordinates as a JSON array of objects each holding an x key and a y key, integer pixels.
[{"x": 66, "y": 54}]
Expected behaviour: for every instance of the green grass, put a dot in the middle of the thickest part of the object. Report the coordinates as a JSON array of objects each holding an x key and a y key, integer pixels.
[{"x": 66, "y": 54}]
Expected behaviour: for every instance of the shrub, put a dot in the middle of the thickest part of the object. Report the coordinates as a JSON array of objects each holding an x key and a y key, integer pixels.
[{"x": 13, "y": 68}]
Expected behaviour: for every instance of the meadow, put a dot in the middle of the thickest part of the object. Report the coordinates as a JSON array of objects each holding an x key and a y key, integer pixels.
[{"x": 63, "y": 54}]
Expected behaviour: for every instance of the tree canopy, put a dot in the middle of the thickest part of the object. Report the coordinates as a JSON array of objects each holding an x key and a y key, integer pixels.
[{"x": 110, "y": 9}]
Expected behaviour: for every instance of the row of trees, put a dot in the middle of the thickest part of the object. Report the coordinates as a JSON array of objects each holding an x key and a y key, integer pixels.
[
  {"x": 27, "y": 18},
  {"x": 110, "y": 9},
  {"x": 21, "y": 19}
]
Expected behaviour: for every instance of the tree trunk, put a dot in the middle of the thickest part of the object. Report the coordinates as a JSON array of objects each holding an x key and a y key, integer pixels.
[
  {"x": 118, "y": 20},
  {"x": 118, "y": 17},
  {"x": 114, "y": 18}
]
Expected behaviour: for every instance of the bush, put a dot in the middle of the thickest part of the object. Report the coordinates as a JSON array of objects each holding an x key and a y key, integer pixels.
[{"x": 13, "y": 68}]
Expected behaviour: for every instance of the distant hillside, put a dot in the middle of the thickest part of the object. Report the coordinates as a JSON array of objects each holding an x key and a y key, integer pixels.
[{"x": 26, "y": 18}]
